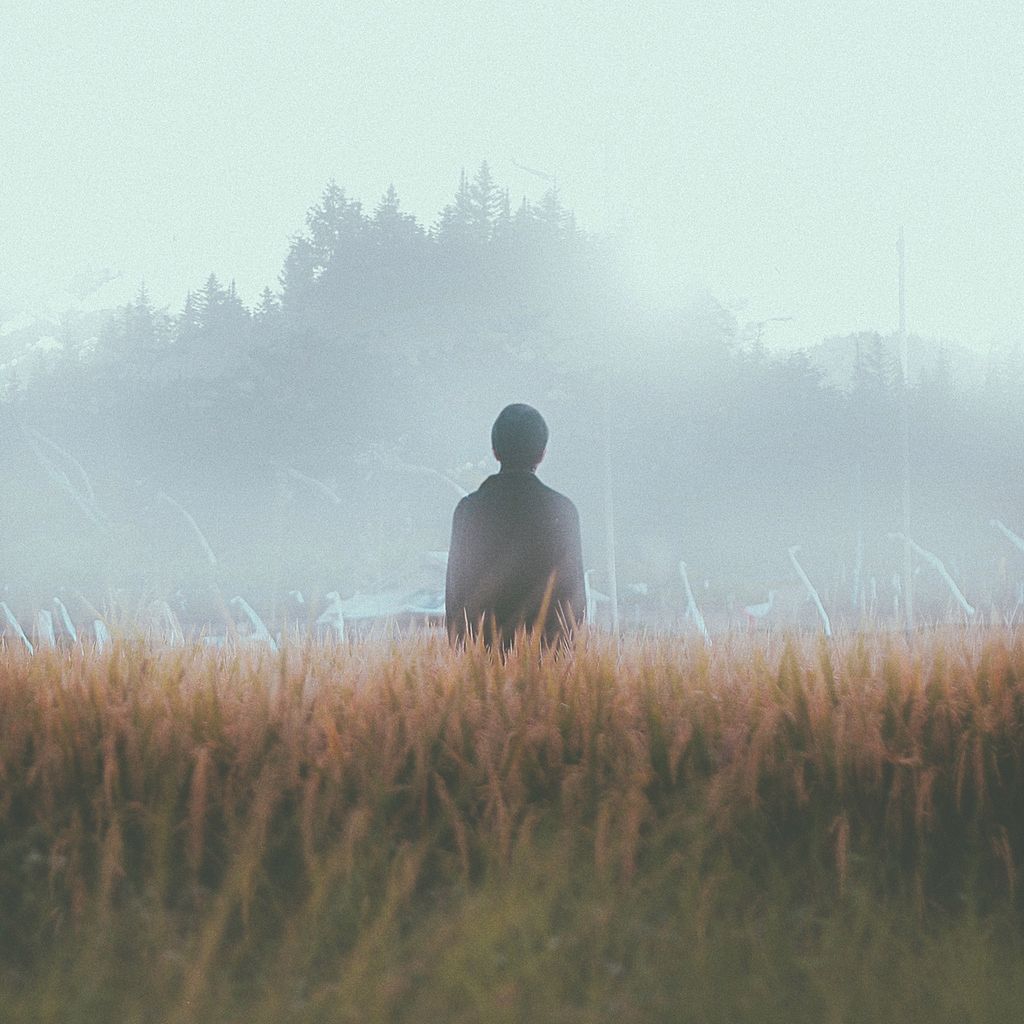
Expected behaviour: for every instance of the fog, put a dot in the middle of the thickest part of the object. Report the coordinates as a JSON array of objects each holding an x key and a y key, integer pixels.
[{"x": 268, "y": 275}]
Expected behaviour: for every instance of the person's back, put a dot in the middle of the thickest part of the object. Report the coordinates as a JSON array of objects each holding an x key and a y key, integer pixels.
[{"x": 515, "y": 558}]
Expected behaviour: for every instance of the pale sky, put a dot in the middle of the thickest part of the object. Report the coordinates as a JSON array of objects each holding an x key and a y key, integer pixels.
[{"x": 769, "y": 151}]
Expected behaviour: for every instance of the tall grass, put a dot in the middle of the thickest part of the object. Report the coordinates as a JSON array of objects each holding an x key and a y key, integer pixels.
[{"x": 776, "y": 828}]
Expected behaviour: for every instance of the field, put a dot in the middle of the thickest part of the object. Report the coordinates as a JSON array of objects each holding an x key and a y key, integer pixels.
[{"x": 772, "y": 829}]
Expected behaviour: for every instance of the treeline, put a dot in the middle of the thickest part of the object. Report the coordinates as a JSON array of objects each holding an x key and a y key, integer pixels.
[
  {"x": 370, "y": 307},
  {"x": 324, "y": 433}
]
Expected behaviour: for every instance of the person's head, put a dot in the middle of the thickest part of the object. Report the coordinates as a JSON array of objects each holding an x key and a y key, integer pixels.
[{"x": 519, "y": 437}]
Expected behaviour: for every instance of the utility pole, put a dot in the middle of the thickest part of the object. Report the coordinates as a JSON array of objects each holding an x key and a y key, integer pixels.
[
  {"x": 609, "y": 475},
  {"x": 908, "y": 564},
  {"x": 609, "y": 511},
  {"x": 858, "y": 586}
]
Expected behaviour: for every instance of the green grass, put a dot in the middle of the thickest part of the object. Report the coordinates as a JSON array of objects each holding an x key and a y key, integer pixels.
[{"x": 773, "y": 830}]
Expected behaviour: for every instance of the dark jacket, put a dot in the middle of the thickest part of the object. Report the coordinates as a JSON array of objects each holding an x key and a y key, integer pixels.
[{"x": 511, "y": 539}]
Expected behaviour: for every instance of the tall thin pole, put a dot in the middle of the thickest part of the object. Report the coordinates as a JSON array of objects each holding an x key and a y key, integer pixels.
[
  {"x": 908, "y": 563},
  {"x": 609, "y": 509},
  {"x": 609, "y": 476},
  {"x": 858, "y": 586}
]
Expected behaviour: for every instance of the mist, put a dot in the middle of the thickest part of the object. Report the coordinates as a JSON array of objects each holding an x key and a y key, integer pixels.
[{"x": 265, "y": 290}]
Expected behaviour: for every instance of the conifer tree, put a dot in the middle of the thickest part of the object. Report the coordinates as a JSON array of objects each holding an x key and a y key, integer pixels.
[
  {"x": 132, "y": 338},
  {"x": 209, "y": 301},
  {"x": 335, "y": 225},
  {"x": 188, "y": 324},
  {"x": 392, "y": 226},
  {"x": 484, "y": 201},
  {"x": 268, "y": 308},
  {"x": 222, "y": 318},
  {"x": 552, "y": 215},
  {"x": 298, "y": 275},
  {"x": 875, "y": 372},
  {"x": 502, "y": 230},
  {"x": 455, "y": 225},
  {"x": 145, "y": 330}
]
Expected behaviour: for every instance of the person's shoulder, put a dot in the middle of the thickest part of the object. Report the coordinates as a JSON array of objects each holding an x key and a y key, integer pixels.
[
  {"x": 464, "y": 507},
  {"x": 474, "y": 500},
  {"x": 558, "y": 500},
  {"x": 481, "y": 494}
]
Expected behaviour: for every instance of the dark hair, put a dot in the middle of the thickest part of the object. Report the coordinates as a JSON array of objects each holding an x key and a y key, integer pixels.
[{"x": 519, "y": 436}]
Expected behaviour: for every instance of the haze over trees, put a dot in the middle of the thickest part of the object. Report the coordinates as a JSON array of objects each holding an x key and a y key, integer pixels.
[{"x": 319, "y": 436}]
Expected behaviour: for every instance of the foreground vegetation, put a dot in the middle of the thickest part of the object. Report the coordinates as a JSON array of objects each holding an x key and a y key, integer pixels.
[{"x": 773, "y": 829}]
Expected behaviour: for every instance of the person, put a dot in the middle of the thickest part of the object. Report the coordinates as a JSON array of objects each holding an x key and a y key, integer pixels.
[{"x": 515, "y": 560}]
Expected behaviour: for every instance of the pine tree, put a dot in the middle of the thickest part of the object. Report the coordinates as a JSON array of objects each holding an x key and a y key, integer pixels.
[
  {"x": 552, "y": 215},
  {"x": 149, "y": 329},
  {"x": 455, "y": 225},
  {"x": 484, "y": 201},
  {"x": 298, "y": 275},
  {"x": 132, "y": 338},
  {"x": 335, "y": 225},
  {"x": 875, "y": 371},
  {"x": 391, "y": 225},
  {"x": 524, "y": 224},
  {"x": 209, "y": 301},
  {"x": 140, "y": 320},
  {"x": 222, "y": 318},
  {"x": 268, "y": 308},
  {"x": 387, "y": 208},
  {"x": 188, "y": 325},
  {"x": 502, "y": 230}
]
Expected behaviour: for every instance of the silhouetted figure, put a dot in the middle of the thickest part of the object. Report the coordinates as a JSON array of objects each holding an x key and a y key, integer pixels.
[{"x": 515, "y": 553}]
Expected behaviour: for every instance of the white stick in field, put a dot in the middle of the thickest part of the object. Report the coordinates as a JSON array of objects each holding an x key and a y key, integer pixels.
[
  {"x": 826, "y": 625},
  {"x": 44, "y": 629},
  {"x": 691, "y": 605},
  {"x": 332, "y": 616},
  {"x": 593, "y": 597},
  {"x": 174, "y": 634},
  {"x": 259, "y": 629},
  {"x": 588, "y": 595},
  {"x": 1013, "y": 538},
  {"x": 1017, "y": 606},
  {"x": 16, "y": 627},
  {"x": 936, "y": 563},
  {"x": 102, "y": 634},
  {"x": 65, "y": 620},
  {"x": 207, "y": 550}
]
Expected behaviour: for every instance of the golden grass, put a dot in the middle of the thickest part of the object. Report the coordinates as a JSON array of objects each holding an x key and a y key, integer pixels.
[{"x": 253, "y": 812}]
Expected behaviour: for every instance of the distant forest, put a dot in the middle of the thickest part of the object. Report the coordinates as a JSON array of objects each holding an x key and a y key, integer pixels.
[{"x": 319, "y": 439}]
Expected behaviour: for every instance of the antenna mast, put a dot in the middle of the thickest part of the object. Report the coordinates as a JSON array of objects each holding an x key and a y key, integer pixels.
[{"x": 908, "y": 564}]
